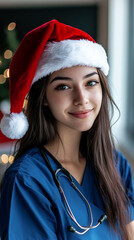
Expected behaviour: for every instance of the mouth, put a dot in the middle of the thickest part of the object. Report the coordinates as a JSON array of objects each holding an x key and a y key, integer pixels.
[{"x": 81, "y": 114}]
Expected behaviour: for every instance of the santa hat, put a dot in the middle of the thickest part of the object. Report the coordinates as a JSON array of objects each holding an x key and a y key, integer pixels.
[
  {"x": 3, "y": 138},
  {"x": 48, "y": 48}
]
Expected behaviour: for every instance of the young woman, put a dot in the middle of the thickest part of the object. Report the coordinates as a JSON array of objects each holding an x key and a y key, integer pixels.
[{"x": 67, "y": 181}]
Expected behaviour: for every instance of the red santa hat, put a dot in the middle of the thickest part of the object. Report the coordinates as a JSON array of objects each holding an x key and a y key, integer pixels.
[{"x": 48, "y": 48}]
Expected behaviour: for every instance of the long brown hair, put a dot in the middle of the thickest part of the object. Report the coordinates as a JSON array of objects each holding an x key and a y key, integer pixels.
[{"x": 96, "y": 144}]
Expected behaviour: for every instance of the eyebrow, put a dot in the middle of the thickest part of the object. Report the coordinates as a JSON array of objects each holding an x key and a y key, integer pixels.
[{"x": 68, "y": 79}]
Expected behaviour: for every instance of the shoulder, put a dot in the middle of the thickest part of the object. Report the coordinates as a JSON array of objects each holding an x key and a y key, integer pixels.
[
  {"x": 26, "y": 163},
  {"x": 126, "y": 175},
  {"x": 29, "y": 169},
  {"x": 123, "y": 165}
]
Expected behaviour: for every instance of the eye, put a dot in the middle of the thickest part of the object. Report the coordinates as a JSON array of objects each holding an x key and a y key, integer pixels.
[
  {"x": 92, "y": 83},
  {"x": 62, "y": 87}
]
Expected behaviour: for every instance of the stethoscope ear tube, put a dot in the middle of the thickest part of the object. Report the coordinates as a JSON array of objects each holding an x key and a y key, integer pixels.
[
  {"x": 49, "y": 166},
  {"x": 102, "y": 219},
  {"x": 71, "y": 229}
]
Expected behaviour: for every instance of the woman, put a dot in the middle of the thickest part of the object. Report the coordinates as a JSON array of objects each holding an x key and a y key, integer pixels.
[{"x": 67, "y": 181}]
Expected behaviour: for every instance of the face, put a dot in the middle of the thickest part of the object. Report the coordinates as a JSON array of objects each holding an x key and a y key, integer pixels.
[{"x": 74, "y": 96}]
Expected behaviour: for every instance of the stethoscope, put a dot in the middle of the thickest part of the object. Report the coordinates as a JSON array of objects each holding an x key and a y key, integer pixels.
[{"x": 55, "y": 174}]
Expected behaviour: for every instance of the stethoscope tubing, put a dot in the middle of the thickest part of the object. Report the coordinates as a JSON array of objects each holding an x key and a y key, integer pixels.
[{"x": 66, "y": 204}]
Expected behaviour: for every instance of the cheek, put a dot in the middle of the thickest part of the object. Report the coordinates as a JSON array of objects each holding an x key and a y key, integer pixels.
[
  {"x": 56, "y": 102},
  {"x": 97, "y": 98}
]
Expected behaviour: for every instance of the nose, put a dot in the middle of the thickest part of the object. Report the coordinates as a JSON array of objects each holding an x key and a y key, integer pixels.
[{"x": 80, "y": 97}]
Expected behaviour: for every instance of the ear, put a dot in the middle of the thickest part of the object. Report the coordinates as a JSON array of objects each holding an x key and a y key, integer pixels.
[{"x": 45, "y": 103}]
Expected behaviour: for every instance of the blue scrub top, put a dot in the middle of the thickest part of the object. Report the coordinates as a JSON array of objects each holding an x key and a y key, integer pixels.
[{"x": 32, "y": 208}]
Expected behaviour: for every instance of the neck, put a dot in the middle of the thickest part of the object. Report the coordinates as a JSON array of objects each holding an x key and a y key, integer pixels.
[{"x": 66, "y": 147}]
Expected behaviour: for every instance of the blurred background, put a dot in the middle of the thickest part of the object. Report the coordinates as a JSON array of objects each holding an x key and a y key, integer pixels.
[{"x": 109, "y": 22}]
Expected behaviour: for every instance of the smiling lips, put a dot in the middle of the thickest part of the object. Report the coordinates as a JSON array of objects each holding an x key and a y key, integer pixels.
[{"x": 81, "y": 114}]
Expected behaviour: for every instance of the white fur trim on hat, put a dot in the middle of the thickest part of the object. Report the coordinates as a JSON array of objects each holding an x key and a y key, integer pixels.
[
  {"x": 68, "y": 53},
  {"x": 14, "y": 125}
]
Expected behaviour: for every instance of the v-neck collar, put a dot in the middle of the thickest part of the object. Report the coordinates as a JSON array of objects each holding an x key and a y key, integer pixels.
[
  {"x": 88, "y": 186},
  {"x": 59, "y": 165},
  {"x": 83, "y": 180}
]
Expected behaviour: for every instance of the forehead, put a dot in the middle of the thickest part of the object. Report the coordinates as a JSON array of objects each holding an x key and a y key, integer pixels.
[{"x": 71, "y": 72}]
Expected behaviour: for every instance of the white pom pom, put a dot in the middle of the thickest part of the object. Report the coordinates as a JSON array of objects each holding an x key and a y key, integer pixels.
[{"x": 14, "y": 125}]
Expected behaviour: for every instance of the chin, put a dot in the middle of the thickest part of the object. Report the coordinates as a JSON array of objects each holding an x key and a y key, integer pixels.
[{"x": 84, "y": 128}]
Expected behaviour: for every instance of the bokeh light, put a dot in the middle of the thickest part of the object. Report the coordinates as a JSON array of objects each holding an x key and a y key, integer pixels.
[
  {"x": 11, "y": 26},
  {"x": 11, "y": 159},
  {"x": 6, "y": 73},
  {"x": 4, "y": 158},
  {"x": 2, "y": 79},
  {"x": 8, "y": 54}
]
